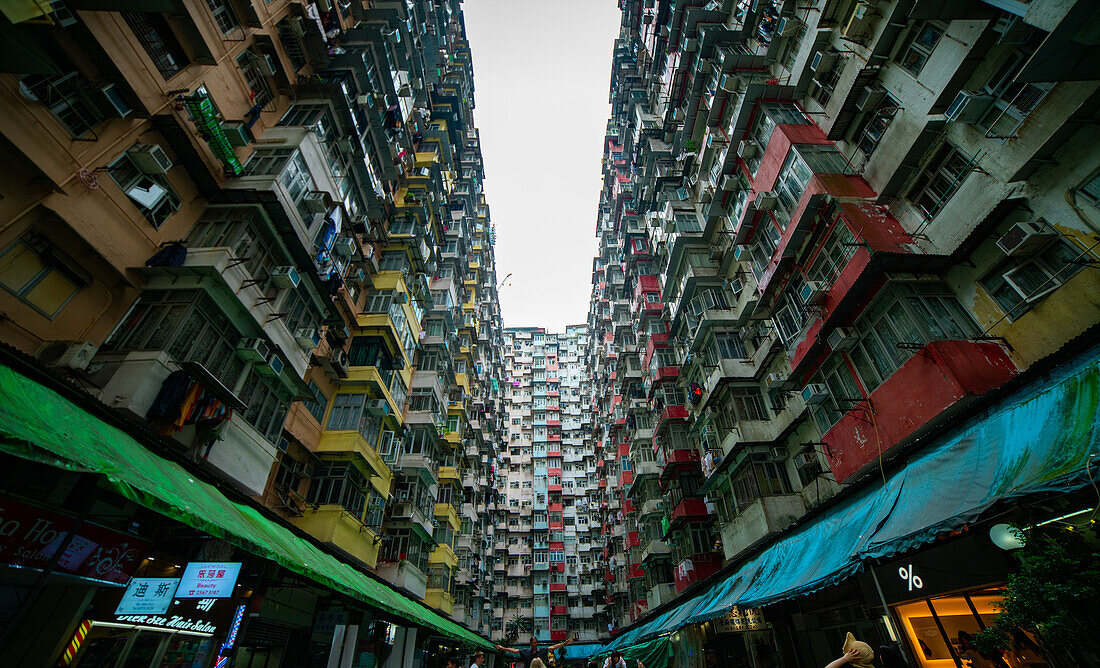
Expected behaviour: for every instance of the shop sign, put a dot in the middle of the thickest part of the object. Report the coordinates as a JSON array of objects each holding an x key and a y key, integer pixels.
[
  {"x": 970, "y": 562},
  {"x": 209, "y": 579},
  {"x": 148, "y": 596},
  {"x": 737, "y": 620},
  {"x": 30, "y": 536},
  {"x": 200, "y": 615}
]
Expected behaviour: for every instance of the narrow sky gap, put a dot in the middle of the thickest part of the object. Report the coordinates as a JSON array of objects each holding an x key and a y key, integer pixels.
[{"x": 541, "y": 72}]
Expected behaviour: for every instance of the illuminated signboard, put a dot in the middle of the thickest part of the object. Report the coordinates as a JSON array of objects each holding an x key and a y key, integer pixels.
[
  {"x": 148, "y": 596},
  {"x": 206, "y": 579}
]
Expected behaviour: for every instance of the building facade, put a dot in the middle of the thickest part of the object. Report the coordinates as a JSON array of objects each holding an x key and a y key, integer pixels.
[
  {"x": 827, "y": 231},
  {"x": 258, "y": 229},
  {"x": 547, "y": 542}
]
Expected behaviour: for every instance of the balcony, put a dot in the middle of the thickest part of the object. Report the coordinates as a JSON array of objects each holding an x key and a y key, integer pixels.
[
  {"x": 440, "y": 599},
  {"x": 695, "y": 568},
  {"x": 403, "y": 573},
  {"x": 335, "y": 526},
  {"x": 353, "y": 443},
  {"x": 930, "y": 387},
  {"x": 762, "y": 517}
]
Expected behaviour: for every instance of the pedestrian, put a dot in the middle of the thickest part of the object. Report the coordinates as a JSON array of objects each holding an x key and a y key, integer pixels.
[
  {"x": 616, "y": 660},
  {"x": 526, "y": 656},
  {"x": 479, "y": 660},
  {"x": 452, "y": 661},
  {"x": 537, "y": 663},
  {"x": 856, "y": 653}
]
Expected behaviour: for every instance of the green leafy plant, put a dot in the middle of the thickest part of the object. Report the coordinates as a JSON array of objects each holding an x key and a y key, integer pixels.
[
  {"x": 1054, "y": 592},
  {"x": 516, "y": 625}
]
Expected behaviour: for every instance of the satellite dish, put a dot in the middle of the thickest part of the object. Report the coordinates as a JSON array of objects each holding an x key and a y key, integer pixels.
[{"x": 1006, "y": 536}]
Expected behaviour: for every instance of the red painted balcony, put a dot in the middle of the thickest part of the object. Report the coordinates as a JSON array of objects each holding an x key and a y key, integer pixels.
[
  {"x": 631, "y": 539},
  {"x": 553, "y": 453},
  {"x": 695, "y": 568},
  {"x": 554, "y": 488},
  {"x": 677, "y": 462},
  {"x": 553, "y": 423},
  {"x": 556, "y": 546},
  {"x": 941, "y": 376},
  {"x": 557, "y": 636},
  {"x": 603, "y": 483},
  {"x": 665, "y": 373},
  {"x": 690, "y": 509},
  {"x": 557, "y": 610},
  {"x": 628, "y": 506},
  {"x": 635, "y": 571},
  {"x": 557, "y": 525},
  {"x": 556, "y": 471},
  {"x": 555, "y": 438},
  {"x": 555, "y": 507}
]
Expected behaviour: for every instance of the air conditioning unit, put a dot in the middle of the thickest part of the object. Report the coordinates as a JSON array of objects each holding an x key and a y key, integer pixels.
[
  {"x": 813, "y": 292},
  {"x": 968, "y": 106},
  {"x": 338, "y": 362},
  {"x": 267, "y": 64},
  {"x": 843, "y": 338},
  {"x": 284, "y": 278},
  {"x": 787, "y": 26},
  {"x": 822, "y": 61},
  {"x": 253, "y": 350},
  {"x": 868, "y": 98},
  {"x": 110, "y": 101},
  {"x": 315, "y": 202},
  {"x": 73, "y": 355},
  {"x": 731, "y": 182},
  {"x": 815, "y": 393},
  {"x": 365, "y": 100},
  {"x": 237, "y": 133},
  {"x": 777, "y": 453},
  {"x": 307, "y": 337},
  {"x": 860, "y": 20},
  {"x": 746, "y": 149},
  {"x": 271, "y": 368},
  {"x": 1025, "y": 238},
  {"x": 149, "y": 158},
  {"x": 377, "y": 406},
  {"x": 730, "y": 83},
  {"x": 765, "y": 201},
  {"x": 344, "y": 246},
  {"x": 776, "y": 379},
  {"x": 806, "y": 460}
]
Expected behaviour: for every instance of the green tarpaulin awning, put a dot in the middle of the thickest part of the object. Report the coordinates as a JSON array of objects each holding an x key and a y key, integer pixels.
[{"x": 39, "y": 424}]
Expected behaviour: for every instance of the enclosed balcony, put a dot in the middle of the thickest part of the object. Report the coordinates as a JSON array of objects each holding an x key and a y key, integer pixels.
[{"x": 936, "y": 382}]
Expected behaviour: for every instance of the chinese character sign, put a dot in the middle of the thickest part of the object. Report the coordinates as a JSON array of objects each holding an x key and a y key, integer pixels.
[
  {"x": 208, "y": 580},
  {"x": 148, "y": 596}
]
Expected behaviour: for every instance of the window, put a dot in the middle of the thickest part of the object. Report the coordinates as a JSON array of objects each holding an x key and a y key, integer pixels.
[
  {"x": 939, "y": 180},
  {"x": 68, "y": 97},
  {"x": 317, "y": 405},
  {"x": 757, "y": 478},
  {"x": 838, "y": 247},
  {"x": 262, "y": 93},
  {"x": 729, "y": 345},
  {"x": 790, "y": 185},
  {"x": 746, "y": 403},
  {"x": 873, "y": 125},
  {"x": 903, "y": 318},
  {"x": 243, "y": 231},
  {"x": 824, "y": 83},
  {"x": 1017, "y": 283},
  {"x": 1013, "y": 101},
  {"x": 224, "y": 15},
  {"x": 159, "y": 42},
  {"x": 267, "y": 403},
  {"x": 267, "y": 161},
  {"x": 919, "y": 44},
  {"x": 36, "y": 272}
]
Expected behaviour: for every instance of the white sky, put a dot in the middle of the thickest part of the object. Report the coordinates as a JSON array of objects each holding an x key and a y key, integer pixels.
[{"x": 542, "y": 70}]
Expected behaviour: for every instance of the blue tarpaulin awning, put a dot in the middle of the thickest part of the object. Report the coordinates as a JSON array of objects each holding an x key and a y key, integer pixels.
[{"x": 1040, "y": 438}]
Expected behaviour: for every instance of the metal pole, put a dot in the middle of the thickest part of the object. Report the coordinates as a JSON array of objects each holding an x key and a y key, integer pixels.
[{"x": 889, "y": 615}]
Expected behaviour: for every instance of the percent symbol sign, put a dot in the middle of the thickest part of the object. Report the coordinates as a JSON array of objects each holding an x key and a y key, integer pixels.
[{"x": 910, "y": 576}]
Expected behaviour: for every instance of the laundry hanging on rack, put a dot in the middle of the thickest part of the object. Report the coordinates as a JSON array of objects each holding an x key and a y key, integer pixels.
[{"x": 182, "y": 401}]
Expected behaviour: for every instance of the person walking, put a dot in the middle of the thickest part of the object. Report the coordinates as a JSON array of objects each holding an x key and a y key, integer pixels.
[
  {"x": 479, "y": 660},
  {"x": 526, "y": 656},
  {"x": 616, "y": 660}
]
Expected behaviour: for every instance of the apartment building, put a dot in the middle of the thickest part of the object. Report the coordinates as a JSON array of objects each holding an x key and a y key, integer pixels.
[
  {"x": 830, "y": 233},
  {"x": 257, "y": 231},
  {"x": 547, "y": 542}
]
